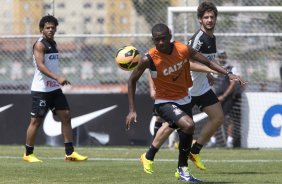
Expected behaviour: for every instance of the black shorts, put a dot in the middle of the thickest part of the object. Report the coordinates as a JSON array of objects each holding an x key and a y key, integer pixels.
[
  {"x": 43, "y": 101},
  {"x": 206, "y": 99},
  {"x": 172, "y": 112}
]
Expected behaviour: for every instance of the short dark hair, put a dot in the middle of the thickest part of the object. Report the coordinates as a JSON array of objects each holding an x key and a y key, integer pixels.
[
  {"x": 160, "y": 28},
  {"x": 206, "y": 6},
  {"x": 48, "y": 18}
]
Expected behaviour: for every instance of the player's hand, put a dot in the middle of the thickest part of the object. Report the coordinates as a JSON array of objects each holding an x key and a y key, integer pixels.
[
  {"x": 130, "y": 118},
  {"x": 221, "y": 98},
  {"x": 63, "y": 81},
  {"x": 237, "y": 78}
]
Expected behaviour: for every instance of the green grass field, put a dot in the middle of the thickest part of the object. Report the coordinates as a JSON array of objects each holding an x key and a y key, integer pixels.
[{"x": 121, "y": 165}]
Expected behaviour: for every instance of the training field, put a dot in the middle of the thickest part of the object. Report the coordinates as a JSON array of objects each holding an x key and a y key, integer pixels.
[{"x": 121, "y": 165}]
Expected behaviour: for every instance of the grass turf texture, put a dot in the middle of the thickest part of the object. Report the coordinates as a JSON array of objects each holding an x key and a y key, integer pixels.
[{"x": 121, "y": 165}]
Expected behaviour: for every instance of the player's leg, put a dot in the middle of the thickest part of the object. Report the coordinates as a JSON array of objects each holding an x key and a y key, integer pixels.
[
  {"x": 166, "y": 112},
  {"x": 158, "y": 124},
  {"x": 32, "y": 131},
  {"x": 212, "y": 107},
  {"x": 162, "y": 135},
  {"x": 182, "y": 171},
  {"x": 230, "y": 127},
  {"x": 185, "y": 132},
  {"x": 215, "y": 119},
  {"x": 30, "y": 140},
  {"x": 147, "y": 158},
  {"x": 227, "y": 107},
  {"x": 38, "y": 111},
  {"x": 173, "y": 141},
  {"x": 61, "y": 109}
]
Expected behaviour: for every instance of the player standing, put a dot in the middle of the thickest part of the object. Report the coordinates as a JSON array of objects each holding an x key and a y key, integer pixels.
[
  {"x": 229, "y": 94},
  {"x": 46, "y": 92}
]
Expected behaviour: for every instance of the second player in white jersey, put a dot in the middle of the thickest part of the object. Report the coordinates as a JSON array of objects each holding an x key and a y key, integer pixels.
[{"x": 206, "y": 45}]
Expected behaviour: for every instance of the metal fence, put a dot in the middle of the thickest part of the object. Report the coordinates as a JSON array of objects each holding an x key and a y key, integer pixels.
[{"x": 88, "y": 41}]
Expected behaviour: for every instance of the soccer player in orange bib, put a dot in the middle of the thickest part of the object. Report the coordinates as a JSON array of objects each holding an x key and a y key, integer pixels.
[{"x": 169, "y": 66}]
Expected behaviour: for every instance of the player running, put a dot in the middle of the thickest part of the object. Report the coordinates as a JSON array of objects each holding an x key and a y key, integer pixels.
[{"x": 169, "y": 66}]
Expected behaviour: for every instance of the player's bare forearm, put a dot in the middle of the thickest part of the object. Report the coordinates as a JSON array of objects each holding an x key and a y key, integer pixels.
[
  {"x": 229, "y": 89},
  {"x": 197, "y": 56},
  {"x": 200, "y": 68},
  {"x": 134, "y": 77},
  {"x": 131, "y": 102},
  {"x": 131, "y": 95},
  {"x": 213, "y": 65},
  {"x": 216, "y": 67}
]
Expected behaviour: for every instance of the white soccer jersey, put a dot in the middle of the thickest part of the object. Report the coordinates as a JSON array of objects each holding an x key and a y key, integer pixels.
[
  {"x": 41, "y": 82},
  {"x": 206, "y": 45}
]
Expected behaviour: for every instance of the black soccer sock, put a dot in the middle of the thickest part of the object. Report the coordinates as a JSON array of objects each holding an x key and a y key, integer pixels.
[
  {"x": 157, "y": 127},
  {"x": 196, "y": 148},
  {"x": 185, "y": 141},
  {"x": 28, "y": 150},
  {"x": 150, "y": 155},
  {"x": 69, "y": 148}
]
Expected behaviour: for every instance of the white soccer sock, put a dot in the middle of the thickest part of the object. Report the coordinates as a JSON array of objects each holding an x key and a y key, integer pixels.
[
  {"x": 230, "y": 139},
  {"x": 213, "y": 139}
]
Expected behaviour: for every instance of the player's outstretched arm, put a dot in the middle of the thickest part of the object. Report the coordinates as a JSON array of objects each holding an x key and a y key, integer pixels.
[
  {"x": 134, "y": 77},
  {"x": 214, "y": 66},
  {"x": 200, "y": 68}
]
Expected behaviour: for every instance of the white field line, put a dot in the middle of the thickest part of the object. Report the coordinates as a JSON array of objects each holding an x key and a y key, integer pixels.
[{"x": 157, "y": 160}]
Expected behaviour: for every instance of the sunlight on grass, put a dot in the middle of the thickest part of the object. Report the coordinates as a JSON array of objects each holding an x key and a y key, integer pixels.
[{"x": 121, "y": 165}]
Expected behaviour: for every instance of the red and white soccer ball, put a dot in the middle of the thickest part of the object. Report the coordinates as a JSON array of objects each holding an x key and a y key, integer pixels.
[{"x": 127, "y": 58}]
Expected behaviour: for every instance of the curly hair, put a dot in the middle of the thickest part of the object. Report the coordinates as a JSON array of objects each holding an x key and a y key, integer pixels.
[
  {"x": 206, "y": 6},
  {"x": 48, "y": 18}
]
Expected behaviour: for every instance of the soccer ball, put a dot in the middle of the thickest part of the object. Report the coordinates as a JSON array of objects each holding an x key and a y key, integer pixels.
[{"x": 127, "y": 58}]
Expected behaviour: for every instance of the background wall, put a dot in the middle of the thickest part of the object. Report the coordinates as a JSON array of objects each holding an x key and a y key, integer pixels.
[{"x": 104, "y": 129}]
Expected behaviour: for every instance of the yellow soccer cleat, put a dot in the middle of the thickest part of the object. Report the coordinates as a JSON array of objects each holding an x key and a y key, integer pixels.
[
  {"x": 75, "y": 157},
  {"x": 31, "y": 158},
  {"x": 147, "y": 164},
  {"x": 196, "y": 159}
]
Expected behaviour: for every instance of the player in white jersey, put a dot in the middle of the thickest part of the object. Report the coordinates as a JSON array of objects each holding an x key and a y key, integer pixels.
[
  {"x": 204, "y": 41},
  {"x": 46, "y": 91}
]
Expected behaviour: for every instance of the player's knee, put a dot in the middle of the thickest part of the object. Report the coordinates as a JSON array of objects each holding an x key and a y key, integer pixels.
[
  {"x": 188, "y": 128},
  {"x": 35, "y": 122},
  {"x": 219, "y": 119},
  {"x": 66, "y": 118}
]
